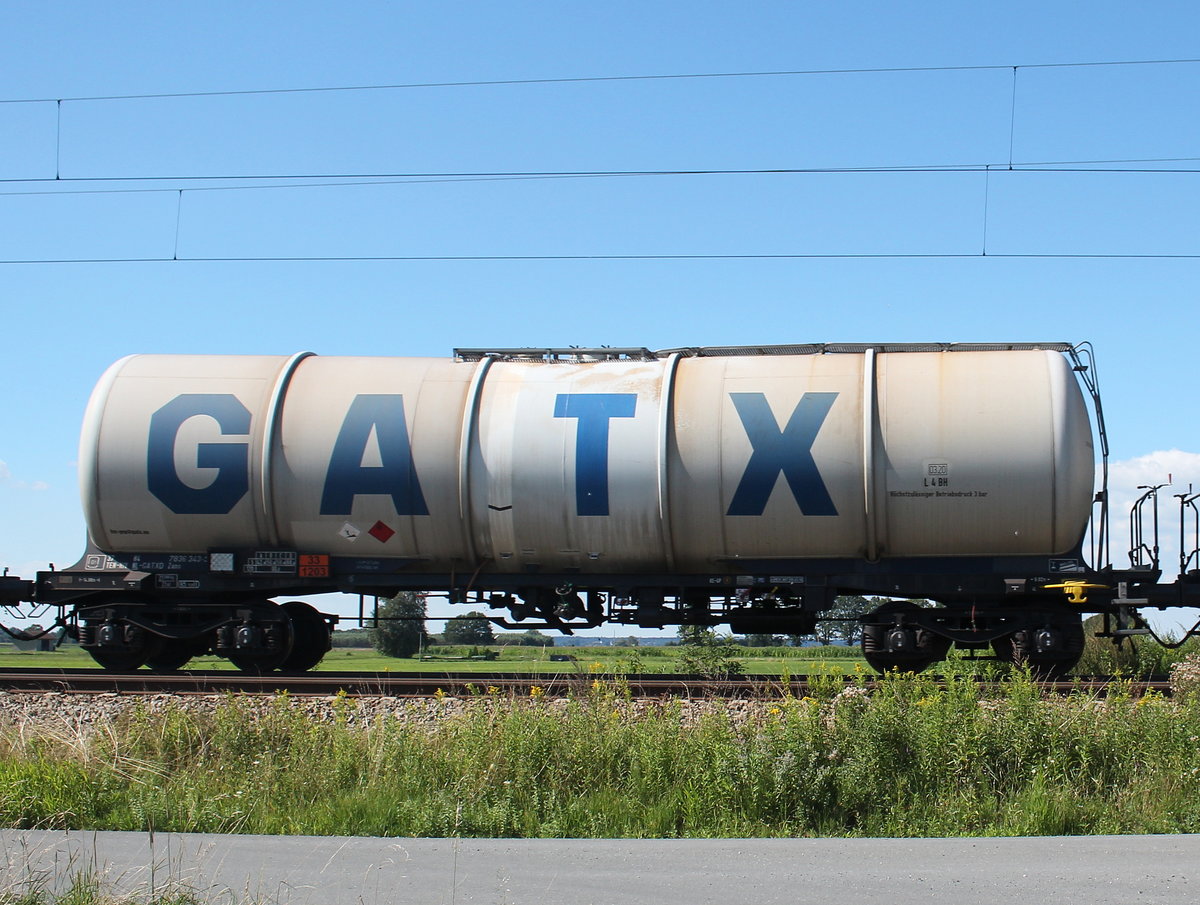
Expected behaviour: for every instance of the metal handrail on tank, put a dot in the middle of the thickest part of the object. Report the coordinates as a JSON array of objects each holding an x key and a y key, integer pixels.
[
  {"x": 572, "y": 354},
  {"x": 860, "y": 348},
  {"x": 1188, "y": 558},
  {"x": 575, "y": 354},
  {"x": 1138, "y": 548},
  {"x": 1083, "y": 362}
]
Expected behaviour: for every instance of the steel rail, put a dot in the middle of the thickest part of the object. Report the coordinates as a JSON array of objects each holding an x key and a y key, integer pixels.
[{"x": 421, "y": 685}]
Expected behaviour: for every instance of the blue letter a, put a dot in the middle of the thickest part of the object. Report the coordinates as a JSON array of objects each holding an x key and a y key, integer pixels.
[{"x": 347, "y": 477}]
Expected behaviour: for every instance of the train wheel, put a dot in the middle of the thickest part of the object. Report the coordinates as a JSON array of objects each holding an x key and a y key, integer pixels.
[
  {"x": 891, "y": 642},
  {"x": 146, "y": 647},
  {"x": 174, "y": 655},
  {"x": 263, "y": 655},
  {"x": 1049, "y": 650},
  {"x": 257, "y": 663},
  {"x": 1004, "y": 650},
  {"x": 118, "y": 661},
  {"x": 310, "y": 637}
]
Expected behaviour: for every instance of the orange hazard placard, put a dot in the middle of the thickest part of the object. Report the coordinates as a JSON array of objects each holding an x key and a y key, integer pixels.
[{"x": 314, "y": 565}]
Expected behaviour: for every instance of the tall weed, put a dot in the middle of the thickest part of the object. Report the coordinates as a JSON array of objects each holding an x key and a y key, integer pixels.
[{"x": 1134, "y": 656}]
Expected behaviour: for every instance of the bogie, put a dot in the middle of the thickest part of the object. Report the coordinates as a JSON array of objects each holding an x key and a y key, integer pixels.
[
  {"x": 894, "y": 639},
  {"x": 257, "y": 635}
]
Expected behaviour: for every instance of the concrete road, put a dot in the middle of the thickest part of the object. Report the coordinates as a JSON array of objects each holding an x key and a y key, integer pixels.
[{"x": 305, "y": 870}]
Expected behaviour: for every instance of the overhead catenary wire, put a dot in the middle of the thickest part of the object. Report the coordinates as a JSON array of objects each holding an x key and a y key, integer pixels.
[
  {"x": 181, "y": 183},
  {"x": 1012, "y": 118},
  {"x": 801, "y": 256},
  {"x": 59, "y": 101},
  {"x": 480, "y": 83},
  {"x": 366, "y": 178},
  {"x": 333, "y": 180}
]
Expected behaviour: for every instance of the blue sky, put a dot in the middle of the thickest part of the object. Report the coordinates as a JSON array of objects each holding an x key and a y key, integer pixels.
[{"x": 65, "y": 322}]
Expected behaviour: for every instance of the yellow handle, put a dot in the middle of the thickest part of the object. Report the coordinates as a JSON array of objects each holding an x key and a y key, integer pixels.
[{"x": 1076, "y": 591}]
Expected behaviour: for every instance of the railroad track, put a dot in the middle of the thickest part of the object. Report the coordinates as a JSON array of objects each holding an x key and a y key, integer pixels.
[{"x": 419, "y": 685}]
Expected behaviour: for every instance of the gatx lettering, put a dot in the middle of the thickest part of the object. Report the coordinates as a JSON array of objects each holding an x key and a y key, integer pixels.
[
  {"x": 231, "y": 460},
  {"x": 396, "y": 476},
  {"x": 788, "y": 451},
  {"x": 594, "y": 410},
  {"x": 774, "y": 451}
]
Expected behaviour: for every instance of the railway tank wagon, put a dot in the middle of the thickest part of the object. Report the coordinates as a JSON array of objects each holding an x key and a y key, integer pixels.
[{"x": 740, "y": 486}]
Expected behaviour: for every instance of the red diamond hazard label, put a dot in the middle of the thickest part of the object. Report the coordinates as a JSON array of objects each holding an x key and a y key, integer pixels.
[{"x": 380, "y": 532}]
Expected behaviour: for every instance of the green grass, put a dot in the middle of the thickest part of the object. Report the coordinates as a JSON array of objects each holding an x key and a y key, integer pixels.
[
  {"x": 911, "y": 759},
  {"x": 85, "y": 888}
]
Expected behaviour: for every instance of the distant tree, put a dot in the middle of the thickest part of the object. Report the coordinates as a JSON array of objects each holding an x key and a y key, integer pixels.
[
  {"x": 529, "y": 638},
  {"x": 401, "y": 629},
  {"x": 472, "y": 628},
  {"x": 31, "y": 639},
  {"x": 848, "y": 607},
  {"x": 695, "y": 634},
  {"x": 710, "y": 656},
  {"x": 631, "y": 641},
  {"x": 358, "y": 637}
]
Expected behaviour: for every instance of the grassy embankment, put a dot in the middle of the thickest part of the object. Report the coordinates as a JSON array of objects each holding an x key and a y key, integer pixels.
[
  {"x": 912, "y": 759},
  {"x": 87, "y": 888}
]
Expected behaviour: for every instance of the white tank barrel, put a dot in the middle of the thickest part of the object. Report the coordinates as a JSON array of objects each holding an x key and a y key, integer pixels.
[{"x": 677, "y": 463}]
